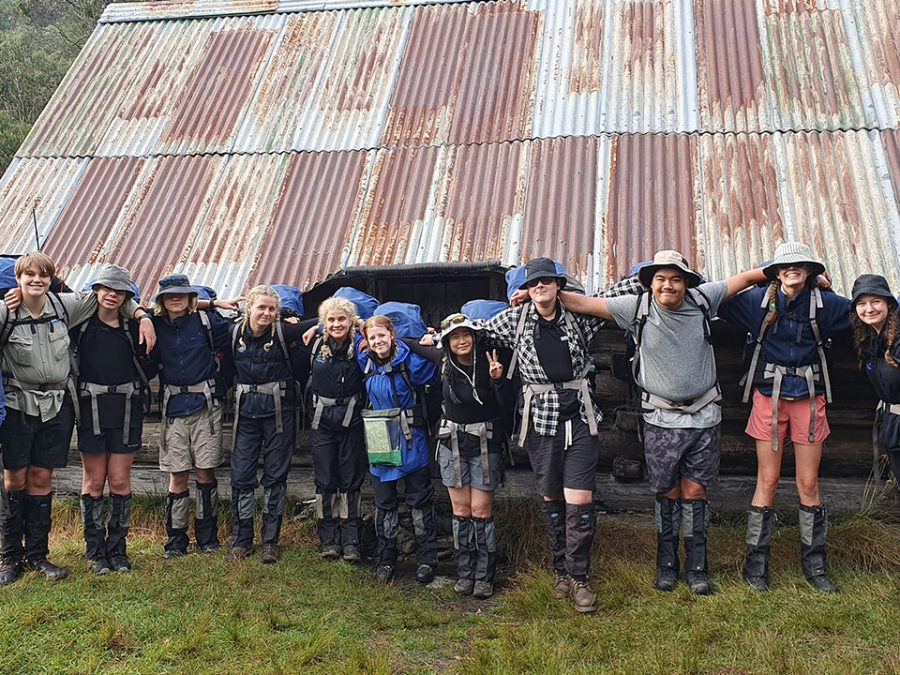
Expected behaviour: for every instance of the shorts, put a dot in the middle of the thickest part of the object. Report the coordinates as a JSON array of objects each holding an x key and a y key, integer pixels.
[
  {"x": 793, "y": 414},
  {"x": 110, "y": 440},
  {"x": 673, "y": 454},
  {"x": 26, "y": 441},
  {"x": 470, "y": 468},
  {"x": 556, "y": 466},
  {"x": 191, "y": 443}
]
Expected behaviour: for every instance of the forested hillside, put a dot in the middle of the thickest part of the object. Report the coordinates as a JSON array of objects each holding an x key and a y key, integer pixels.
[{"x": 39, "y": 39}]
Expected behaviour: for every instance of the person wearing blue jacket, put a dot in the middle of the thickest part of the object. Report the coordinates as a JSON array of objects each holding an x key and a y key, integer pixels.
[
  {"x": 193, "y": 385},
  {"x": 392, "y": 374},
  {"x": 789, "y": 323}
]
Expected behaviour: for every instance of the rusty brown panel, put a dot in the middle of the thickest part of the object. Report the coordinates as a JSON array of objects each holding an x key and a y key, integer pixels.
[
  {"x": 219, "y": 86},
  {"x": 166, "y": 211},
  {"x": 651, "y": 203},
  {"x": 642, "y": 18},
  {"x": 398, "y": 201},
  {"x": 481, "y": 201},
  {"x": 493, "y": 102},
  {"x": 729, "y": 61},
  {"x": 886, "y": 45},
  {"x": 891, "y": 141},
  {"x": 92, "y": 210},
  {"x": 313, "y": 219},
  {"x": 144, "y": 105},
  {"x": 783, "y": 7},
  {"x": 429, "y": 72},
  {"x": 586, "y": 74},
  {"x": 560, "y": 209}
]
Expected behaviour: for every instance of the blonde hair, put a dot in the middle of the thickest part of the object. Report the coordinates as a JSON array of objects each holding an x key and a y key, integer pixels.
[
  {"x": 36, "y": 263},
  {"x": 333, "y": 304},
  {"x": 254, "y": 294},
  {"x": 159, "y": 309}
]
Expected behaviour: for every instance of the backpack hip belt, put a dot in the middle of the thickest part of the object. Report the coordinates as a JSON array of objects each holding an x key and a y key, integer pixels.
[
  {"x": 206, "y": 388},
  {"x": 483, "y": 431},
  {"x": 95, "y": 391},
  {"x": 275, "y": 389},
  {"x": 322, "y": 402},
  {"x": 534, "y": 389},
  {"x": 880, "y": 409},
  {"x": 67, "y": 385},
  {"x": 651, "y": 402},
  {"x": 776, "y": 373}
]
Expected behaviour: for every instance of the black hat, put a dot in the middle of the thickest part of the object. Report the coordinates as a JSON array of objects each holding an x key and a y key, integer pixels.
[
  {"x": 175, "y": 284},
  {"x": 539, "y": 268},
  {"x": 871, "y": 284}
]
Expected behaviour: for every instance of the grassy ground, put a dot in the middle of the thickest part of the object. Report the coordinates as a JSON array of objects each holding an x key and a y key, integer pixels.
[{"x": 199, "y": 615}]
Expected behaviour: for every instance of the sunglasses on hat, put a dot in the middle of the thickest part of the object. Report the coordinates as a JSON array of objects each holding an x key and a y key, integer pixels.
[{"x": 454, "y": 320}]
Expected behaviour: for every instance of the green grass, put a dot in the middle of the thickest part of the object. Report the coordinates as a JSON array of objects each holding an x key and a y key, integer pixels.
[{"x": 199, "y": 615}]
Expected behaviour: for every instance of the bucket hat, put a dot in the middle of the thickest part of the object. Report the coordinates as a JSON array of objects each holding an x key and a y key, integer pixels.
[
  {"x": 871, "y": 284},
  {"x": 454, "y": 321},
  {"x": 541, "y": 268},
  {"x": 793, "y": 253},
  {"x": 175, "y": 284},
  {"x": 668, "y": 258},
  {"x": 115, "y": 277}
]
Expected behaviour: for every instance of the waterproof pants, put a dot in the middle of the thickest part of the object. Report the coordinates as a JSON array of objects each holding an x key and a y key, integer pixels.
[
  {"x": 420, "y": 499},
  {"x": 340, "y": 466}
]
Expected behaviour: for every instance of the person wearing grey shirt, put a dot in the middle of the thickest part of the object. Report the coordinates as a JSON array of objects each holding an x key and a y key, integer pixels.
[
  {"x": 676, "y": 373},
  {"x": 34, "y": 440}
]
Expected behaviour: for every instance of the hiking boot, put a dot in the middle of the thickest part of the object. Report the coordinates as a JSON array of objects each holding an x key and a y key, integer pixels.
[
  {"x": 822, "y": 583},
  {"x": 584, "y": 597},
  {"x": 270, "y": 554},
  {"x": 331, "y": 552},
  {"x": 9, "y": 571},
  {"x": 425, "y": 574},
  {"x": 698, "y": 583},
  {"x": 212, "y": 547},
  {"x": 237, "y": 553},
  {"x": 665, "y": 580},
  {"x": 383, "y": 574},
  {"x": 120, "y": 563},
  {"x": 562, "y": 587},
  {"x": 464, "y": 586},
  {"x": 483, "y": 590},
  {"x": 759, "y": 584},
  {"x": 173, "y": 553},
  {"x": 351, "y": 553},
  {"x": 99, "y": 566},
  {"x": 47, "y": 568}
]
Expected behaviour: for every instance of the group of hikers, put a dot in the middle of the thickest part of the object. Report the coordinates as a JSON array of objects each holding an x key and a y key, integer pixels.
[{"x": 379, "y": 397}]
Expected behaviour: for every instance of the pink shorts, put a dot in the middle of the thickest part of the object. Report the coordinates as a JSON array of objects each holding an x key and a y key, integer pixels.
[{"x": 790, "y": 413}]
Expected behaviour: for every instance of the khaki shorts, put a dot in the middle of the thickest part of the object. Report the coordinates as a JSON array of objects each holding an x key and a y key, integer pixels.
[{"x": 191, "y": 443}]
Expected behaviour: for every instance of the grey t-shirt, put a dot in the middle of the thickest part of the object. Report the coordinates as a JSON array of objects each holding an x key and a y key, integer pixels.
[{"x": 677, "y": 362}]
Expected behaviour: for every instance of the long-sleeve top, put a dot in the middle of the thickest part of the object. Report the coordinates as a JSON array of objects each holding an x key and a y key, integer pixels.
[
  {"x": 885, "y": 379},
  {"x": 336, "y": 374}
]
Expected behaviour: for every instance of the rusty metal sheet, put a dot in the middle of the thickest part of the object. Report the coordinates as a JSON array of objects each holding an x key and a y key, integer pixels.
[
  {"x": 317, "y": 206},
  {"x": 169, "y": 203},
  {"x": 560, "y": 212},
  {"x": 891, "y": 142},
  {"x": 40, "y": 184},
  {"x": 83, "y": 230},
  {"x": 650, "y": 200},
  {"x": 742, "y": 221},
  {"x": 878, "y": 55}
]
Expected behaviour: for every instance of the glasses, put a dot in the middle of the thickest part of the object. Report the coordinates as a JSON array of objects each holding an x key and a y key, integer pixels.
[
  {"x": 544, "y": 281},
  {"x": 453, "y": 320}
]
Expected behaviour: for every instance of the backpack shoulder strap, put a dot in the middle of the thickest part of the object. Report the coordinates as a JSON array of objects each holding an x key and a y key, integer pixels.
[
  {"x": 641, "y": 312},
  {"x": 314, "y": 350},
  {"x": 207, "y": 328},
  {"x": 520, "y": 331},
  {"x": 701, "y": 300},
  {"x": 235, "y": 337},
  {"x": 134, "y": 356},
  {"x": 279, "y": 335}
]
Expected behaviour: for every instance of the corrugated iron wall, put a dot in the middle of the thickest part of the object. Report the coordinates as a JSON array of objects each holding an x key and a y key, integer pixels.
[{"x": 284, "y": 141}]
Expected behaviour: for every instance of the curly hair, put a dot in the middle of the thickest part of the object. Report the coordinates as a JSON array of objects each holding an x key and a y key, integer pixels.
[
  {"x": 863, "y": 334},
  {"x": 343, "y": 305},
  {"x": 253, "y": 295}
]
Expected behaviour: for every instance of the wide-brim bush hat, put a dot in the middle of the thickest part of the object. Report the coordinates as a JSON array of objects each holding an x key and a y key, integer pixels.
[
  {"x": 175, "y": 284},
  {"x": 793, "y": 253},
  {"x": 669, "y": 258},
  {"x": 115, "y": 277},
  {"x": 871, "y": 284},
  {"x": 542, "y": 268},
  {"x": 455, "y": 321}
]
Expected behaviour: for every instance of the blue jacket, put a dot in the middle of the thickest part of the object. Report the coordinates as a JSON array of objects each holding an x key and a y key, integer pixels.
[
  {"x": 789, "y": 341},
  {"x": 381, "y": 396},
  {"x": 183, "y": 354},
  {"x": 2, "y": 401}
]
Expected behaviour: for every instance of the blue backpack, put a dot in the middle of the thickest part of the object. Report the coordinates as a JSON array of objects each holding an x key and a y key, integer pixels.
[
  {"x": 365, "y": 303},
  {"x": 407, "y": 318},
  {"x": 7, "y": 272},
  {"x": 205, "y": 292},
  {"x": 516, "y": 277},
  {"x": 483, "y": 309},
  {"x": 291, "y": 300},
  {"x": 88, "y": 287}
]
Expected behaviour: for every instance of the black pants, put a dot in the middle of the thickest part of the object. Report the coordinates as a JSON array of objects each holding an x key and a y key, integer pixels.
[
  {"x": 255, "y": 438},
  {"x": 419, "y": 498},
  {"x": 340, "y": 466}
]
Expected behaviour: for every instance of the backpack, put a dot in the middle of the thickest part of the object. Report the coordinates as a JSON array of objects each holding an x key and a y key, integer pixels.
[
  {"x": 365, "y": 303},
  {"x": 406, "y": 317},
  {"x": 75, "y": 346},
  {"x": 520, "y": 331},
  {"x": 291, "y": 300},
  {"x": 7, "y": 273},
  {"x": 483, "y": 309},
  {"x": 205, "y": 292}
]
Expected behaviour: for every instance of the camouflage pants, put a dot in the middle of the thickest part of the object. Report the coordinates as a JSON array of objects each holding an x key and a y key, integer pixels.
[{"x": 673, "y": 454}]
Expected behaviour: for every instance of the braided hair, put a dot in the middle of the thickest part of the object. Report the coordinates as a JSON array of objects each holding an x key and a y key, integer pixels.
[
  {"x": 349, "y": 309},
  {"x": 772, "y": 298},
  {"x": 253, "y": 295}
]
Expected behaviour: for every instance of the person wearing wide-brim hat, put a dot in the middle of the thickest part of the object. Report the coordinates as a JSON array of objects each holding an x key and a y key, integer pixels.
[
  {"x": 194, "y": 382},
  {"x": 789, "y": 322},
  {"x": 112, "y": 389},
  {"x": 875, "y": 325},
  {"x": 471, "y": 440},
  {"x": 676, "y": 371}
]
